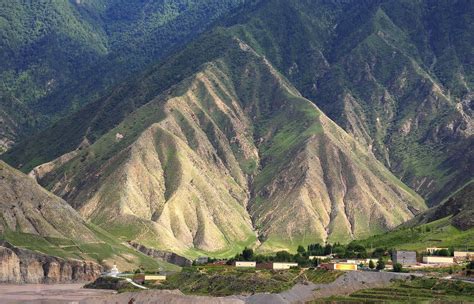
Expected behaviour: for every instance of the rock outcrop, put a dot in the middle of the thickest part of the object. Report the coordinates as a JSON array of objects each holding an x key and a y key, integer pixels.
[
  {"x": 166, "y": 256},
  {"x": 24, "y": 266}
]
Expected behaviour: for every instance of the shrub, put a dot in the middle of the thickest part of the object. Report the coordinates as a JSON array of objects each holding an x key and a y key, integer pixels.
[
  {"x": 371, "y": 264},
  {"x": 397, "y": 267},
  {"x": 381, "y": 264}
]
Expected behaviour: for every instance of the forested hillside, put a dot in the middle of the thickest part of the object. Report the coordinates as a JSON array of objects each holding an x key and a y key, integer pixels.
[{"x": 57, "y": 55}]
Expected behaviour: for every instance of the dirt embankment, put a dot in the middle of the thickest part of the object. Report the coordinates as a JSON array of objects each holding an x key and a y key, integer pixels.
[{"x": 300, "y": 293}]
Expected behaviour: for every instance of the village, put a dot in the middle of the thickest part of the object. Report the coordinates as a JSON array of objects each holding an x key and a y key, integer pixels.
[{"x": 433, "y": 259}]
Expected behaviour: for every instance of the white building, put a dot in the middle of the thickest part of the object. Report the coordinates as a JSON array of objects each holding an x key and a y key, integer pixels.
[
  {"x": 245, "y": 264},
  {"x": 280, "y": 266},
  {"x": 429, "y": 259},
  {"x": 464, "y": 255},
  {"x": 320, "y": 257},
  {"x": 433, "y": 249}
]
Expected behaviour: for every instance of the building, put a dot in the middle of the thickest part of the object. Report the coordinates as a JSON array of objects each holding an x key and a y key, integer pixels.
[
  {"x": 431, "y": 250},
  {"x": 320, "y": 257},
  {"x": 113, "y": 272},
  {"x": 277, "y": 265},
  {"x": 141, "y": 278},
  {"x": 464, "y": 255},
  {"x": 245, "y": 264},
  {"x": 281, "y": 266},
  {"x": 430, "y": 259},
  {"x": 339, "y": 266},
  {"x": 202, "y": 260},
  {"x": 404, "y": 257}
]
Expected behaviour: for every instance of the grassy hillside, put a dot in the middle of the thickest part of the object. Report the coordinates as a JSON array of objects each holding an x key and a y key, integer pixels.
[
  {"x": 449, "y": 224},
  {"x": 440, "y": 233},
  {"x": 57, "y": 55},
  {"x": 386, "y": 72}
]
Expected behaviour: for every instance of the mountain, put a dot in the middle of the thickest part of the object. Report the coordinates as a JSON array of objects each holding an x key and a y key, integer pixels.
[
  {"x": 220, "y": 145},
  {"x": 396, "y": 75},
  {"x": 229, "y": 155},
  {"x": 36, "y": 220},
  {"x": 57, "y": 55}
]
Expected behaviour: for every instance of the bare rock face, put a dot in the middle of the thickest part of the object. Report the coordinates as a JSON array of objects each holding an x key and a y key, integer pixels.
[
  {"x": 25, "y": 266},
  {"x": 169, "y": 257},
  {"x": 9, "y": 266}
]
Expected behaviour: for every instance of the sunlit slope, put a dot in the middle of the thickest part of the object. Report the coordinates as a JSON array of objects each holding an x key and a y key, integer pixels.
[{"x": 232, "y": 155}]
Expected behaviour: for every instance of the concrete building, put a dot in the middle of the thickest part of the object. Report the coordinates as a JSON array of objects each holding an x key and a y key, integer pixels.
[
  {"x": 430, "y": 259},
  {"x": 141, "y": 278},
  {"x": 281, "y": 266},
  {"x": 320, "y": 257},
  {"x": 433, "y": 249},
  {"x": 404, "y": 257},
  {"x": 277, "y": 265},
  {"x": 202, "y": 260},
  {"x": 245, "y": 264},
  {"x": 339, "y": 266},
  {"x": 464, "y": 255}
]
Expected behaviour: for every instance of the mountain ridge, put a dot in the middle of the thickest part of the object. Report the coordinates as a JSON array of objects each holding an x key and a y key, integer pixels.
[{"x": 217, "y": 141}]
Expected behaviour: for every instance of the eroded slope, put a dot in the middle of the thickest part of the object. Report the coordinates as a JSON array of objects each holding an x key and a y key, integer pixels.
[{"x": 232, "y": 153}]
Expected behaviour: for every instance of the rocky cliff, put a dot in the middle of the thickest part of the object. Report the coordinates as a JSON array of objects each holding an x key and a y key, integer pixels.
[{"x": 24, "y": 266}]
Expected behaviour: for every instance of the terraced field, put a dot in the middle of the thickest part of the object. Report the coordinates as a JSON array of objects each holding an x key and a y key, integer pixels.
[{"x": 415, "y": 291}]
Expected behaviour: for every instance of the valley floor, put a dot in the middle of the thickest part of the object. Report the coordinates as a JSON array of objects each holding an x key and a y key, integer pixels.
[{"x": 48, "y": 293}]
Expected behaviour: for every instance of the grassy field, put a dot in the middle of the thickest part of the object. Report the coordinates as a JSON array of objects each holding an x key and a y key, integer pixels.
[
  {"x": 418, "y": 290},
  {"x": 224, "y": 281}
]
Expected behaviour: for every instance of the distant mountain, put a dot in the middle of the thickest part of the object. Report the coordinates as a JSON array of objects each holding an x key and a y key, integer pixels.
[
  {"x": 34, "y": 219},
  {"x": 57, "y": 55}
]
